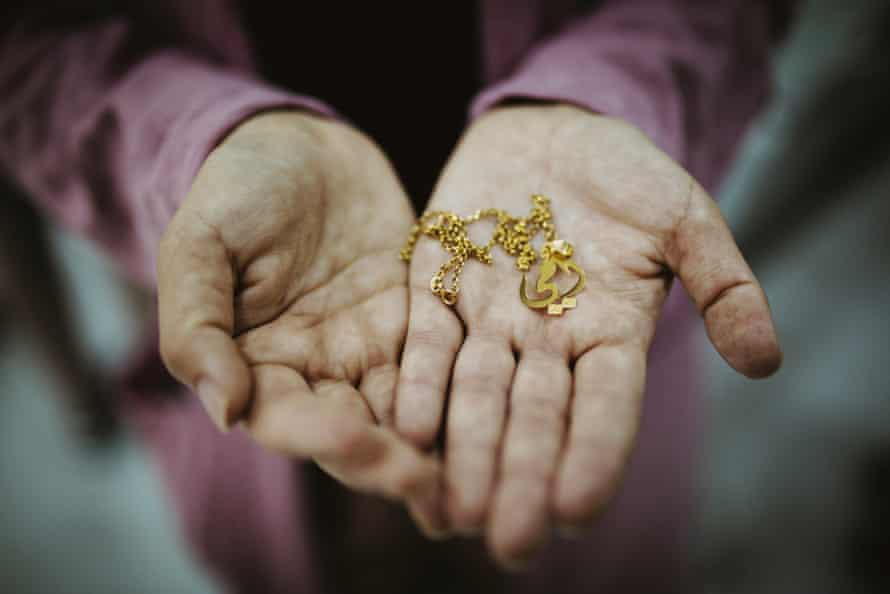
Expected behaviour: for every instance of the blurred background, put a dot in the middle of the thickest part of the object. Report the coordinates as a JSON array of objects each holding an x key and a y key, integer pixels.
[
  {"x": 795, "y": 474},
  {"x": 794, "y": 481},
  {"x": 82, "y": 508}
]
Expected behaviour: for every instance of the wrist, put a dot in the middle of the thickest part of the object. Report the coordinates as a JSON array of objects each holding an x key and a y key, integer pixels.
[
  {"x": 531, "y": 109},
  {"x": 544, "y": 122},
  {"x": 273, "y": 127}
]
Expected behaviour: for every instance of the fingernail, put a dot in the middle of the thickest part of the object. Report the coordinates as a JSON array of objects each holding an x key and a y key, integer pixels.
[
  {"x": 213, "y": 401},
  {"x": 432, "y": 522}
]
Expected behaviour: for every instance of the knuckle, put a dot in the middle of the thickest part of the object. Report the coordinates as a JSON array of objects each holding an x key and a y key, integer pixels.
[
  {"x": 529, "y": 466},
  {"x": 414, "y": 384},
  {"x": 419, "y": 429},
  {"x": 418, "y": 410},
  {"x": 472, "y": 452},
  {"x": 478, "y": 383},
  {"x": 539, "y": 412},
  {"x": 537, "y": 391},
  {"x": 181, "y": 351},
  {"x": 486, "y": 375},
  {"x": 717, "y": 280},
  {"x": 350, "y": 442},
  {"x": 434, "y": 337},
  {"x": 545, "y": 358},
  {"x": 530, "y": 471},
  {"x": 476, "y": 428},
  {"x": 419, "y": 402},
  {"x": 384, "y": 377},
  {"x": 175, "y": 355}
]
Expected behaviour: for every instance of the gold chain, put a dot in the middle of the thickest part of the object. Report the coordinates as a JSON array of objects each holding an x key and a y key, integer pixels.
[{"x": 514, "y": 235}]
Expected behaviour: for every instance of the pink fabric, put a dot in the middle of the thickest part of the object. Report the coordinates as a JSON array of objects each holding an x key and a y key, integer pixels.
[
  {"x": 689, "y": 73},
  {"x": 106, "y": 134},
  {"x": 242, "y": 509},
  {"x": 107, "y": 139}
]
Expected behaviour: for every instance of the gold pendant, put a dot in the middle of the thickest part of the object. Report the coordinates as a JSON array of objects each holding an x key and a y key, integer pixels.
[{"x": 557, "y": 255}]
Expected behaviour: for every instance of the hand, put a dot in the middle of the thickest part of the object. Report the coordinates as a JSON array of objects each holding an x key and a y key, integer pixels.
[
  {"x": 283, "y": 303},
  {"x": 542, "y": 411}
]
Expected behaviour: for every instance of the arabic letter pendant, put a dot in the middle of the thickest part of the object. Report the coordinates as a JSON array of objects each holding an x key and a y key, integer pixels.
[{"x": 557, "y": 256}]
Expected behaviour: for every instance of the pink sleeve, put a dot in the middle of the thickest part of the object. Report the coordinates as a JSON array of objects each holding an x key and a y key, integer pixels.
[
  {"x": 106, "y": 133},
  {"x": 689, "y": 73}
]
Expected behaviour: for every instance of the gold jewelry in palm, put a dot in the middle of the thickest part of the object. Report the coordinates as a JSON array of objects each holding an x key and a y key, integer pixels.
[{"x": 542, "y": 409}]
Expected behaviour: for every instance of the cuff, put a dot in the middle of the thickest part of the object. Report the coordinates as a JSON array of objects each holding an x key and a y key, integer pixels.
[
  {"x": 632, "y": 93},
  {"x": 210, "y": 103},
  {"x": 233, "y": 100}
]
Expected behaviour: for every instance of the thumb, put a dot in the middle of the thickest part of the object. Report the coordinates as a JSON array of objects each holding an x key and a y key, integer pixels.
[
  {"x": 708, "y": 262},
  {"x": 196, "y": 315}
]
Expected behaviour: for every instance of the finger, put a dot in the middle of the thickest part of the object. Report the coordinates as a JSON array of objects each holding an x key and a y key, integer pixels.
[
  {"x": 608, "y": 391},
  {"x": 195, "y": 304},
  {"x": 426, "y": 509},
  {"x": 292, "y": 345},
  {"x": 476, "y": 411},
  {"x": 334, "y": 428},
  {"x": 519, "y": 522},
  {"x": 368, "y": 457},
  {"x": 378, "y": 386},
  {"x": 425, "y": 501},
  {"x": 729, "y": 298},
  {"x": 434, "y": 336}
]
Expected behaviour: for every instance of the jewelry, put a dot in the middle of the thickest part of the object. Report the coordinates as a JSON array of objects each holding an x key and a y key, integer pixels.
[{"x": 515, "y": 236}]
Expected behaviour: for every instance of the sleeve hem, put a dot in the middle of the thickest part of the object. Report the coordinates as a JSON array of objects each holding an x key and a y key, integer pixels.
[{"x": 615, "y": 94}]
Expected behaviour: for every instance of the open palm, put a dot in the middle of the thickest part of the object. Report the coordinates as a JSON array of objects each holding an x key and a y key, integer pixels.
[
  {"x": 542, "y": 410},
  {"x": 282, "y": 302}
]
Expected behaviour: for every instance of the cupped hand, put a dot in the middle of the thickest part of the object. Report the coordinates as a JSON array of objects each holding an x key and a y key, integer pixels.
[
  {"x": 283, "y": 304},
  {"x": 542, "y": 410}
]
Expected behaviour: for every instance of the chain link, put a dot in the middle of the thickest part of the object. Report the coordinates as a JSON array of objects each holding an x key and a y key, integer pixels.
[{"x": 513, "y": 234}]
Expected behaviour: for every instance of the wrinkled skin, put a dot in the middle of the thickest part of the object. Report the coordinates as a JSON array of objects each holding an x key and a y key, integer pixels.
[
  {"x": 542, "y": 411},
  {"x": 283, "y": 303}
]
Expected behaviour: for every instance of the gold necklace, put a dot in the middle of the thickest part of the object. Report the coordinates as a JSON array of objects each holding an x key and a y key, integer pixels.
[{"x": 515, "y": 236}]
